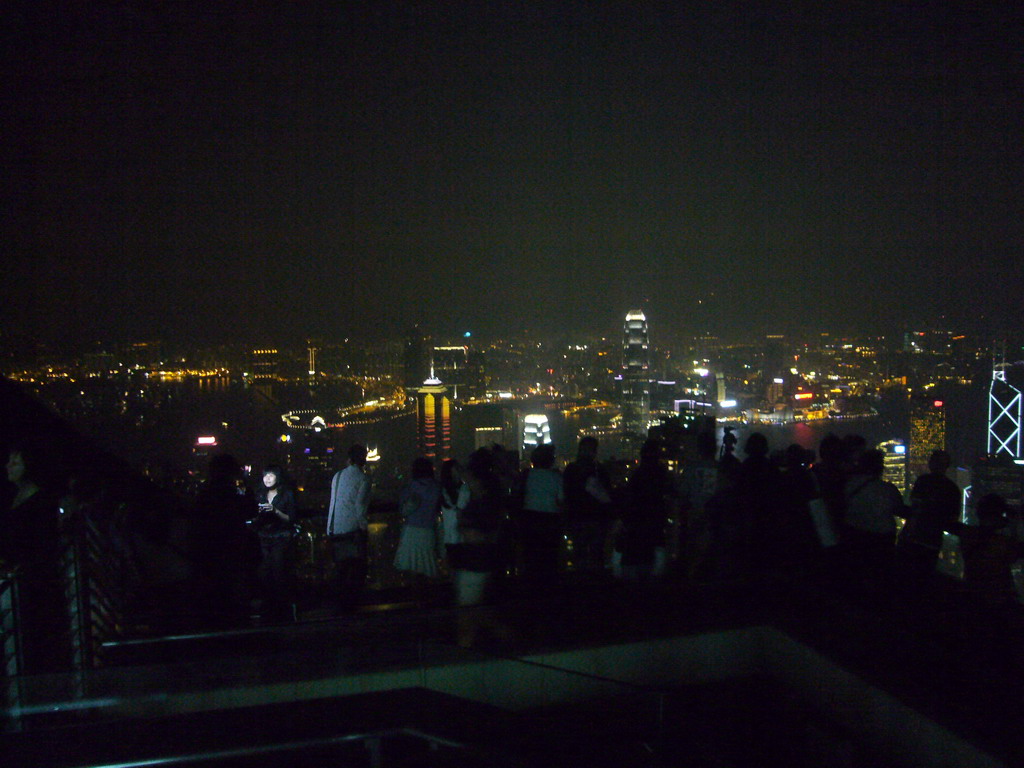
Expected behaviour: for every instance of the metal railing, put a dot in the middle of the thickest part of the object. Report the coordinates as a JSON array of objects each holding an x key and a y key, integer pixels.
[
  {"x": 93, "y": 593},
  {"x": 10, "y": 643}
]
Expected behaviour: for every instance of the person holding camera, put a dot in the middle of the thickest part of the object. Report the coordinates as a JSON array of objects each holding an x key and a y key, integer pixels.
[{"x": 275, "y": 526}]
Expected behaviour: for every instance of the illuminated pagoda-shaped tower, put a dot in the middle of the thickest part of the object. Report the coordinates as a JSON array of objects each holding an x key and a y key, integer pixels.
[{"x": 434, "y": 419}]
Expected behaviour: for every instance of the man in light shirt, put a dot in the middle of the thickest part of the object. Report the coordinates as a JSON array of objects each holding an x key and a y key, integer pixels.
[{"x": 346, "y": 527}]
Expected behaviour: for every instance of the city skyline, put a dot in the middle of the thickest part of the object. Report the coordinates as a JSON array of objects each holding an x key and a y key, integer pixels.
[{"x": 216, "y": 174}]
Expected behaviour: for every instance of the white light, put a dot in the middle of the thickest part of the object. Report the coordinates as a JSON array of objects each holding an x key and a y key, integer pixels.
[
  {"x": 701, "y": 371},
  {"x": 206, "y": 441},
  {"x": 778, "y": 381},
  {"x": 727, "y": 403}
]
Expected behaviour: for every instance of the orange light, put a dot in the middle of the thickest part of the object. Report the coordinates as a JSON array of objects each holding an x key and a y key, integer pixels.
[
  {"x": 803, "y": 395},
  {"x": 937, "y": 403}
]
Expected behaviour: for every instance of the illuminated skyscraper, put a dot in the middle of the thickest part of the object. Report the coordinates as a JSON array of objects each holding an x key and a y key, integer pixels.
[
  {"x": 895, "y": 463},
  {"x": 635, "y": 342},
  {"x": 636, "y": 377},
  {"x": 1004, "y": 416},
  {"x": 434, "y": 419},
  {"x": 536, "y": 430},
  {"x": 927, "y": 434}
]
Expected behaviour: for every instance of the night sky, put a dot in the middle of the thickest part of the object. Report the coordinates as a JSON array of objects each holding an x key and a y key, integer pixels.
[{"x": 266, "y": 171}]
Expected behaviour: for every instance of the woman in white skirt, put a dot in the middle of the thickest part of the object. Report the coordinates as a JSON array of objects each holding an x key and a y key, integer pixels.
[{"x": 419, "y": 503}]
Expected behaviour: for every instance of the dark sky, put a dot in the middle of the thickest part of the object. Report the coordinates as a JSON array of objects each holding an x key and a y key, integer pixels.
[{"x": 266, "y": 171}]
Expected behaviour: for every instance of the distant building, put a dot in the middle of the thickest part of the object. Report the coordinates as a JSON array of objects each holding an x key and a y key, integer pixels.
[
  {"x": 312, "y": 350},
  {"x": 1004, "y": 416},
  {"x": 997, "y": 474},
  {"x": 927, "y": 434},
  {"x": 415, "y": 359},
  {"x": 536, "y": 430},
  {"x": 636, "y": 377},
  {"x": 485, "y": 437},
  {"x": 895, "y": 466},
  {"x": 462, "y": 372},
  {"x": 434, "y": 419},
  {"x": 264, "y": 364}
]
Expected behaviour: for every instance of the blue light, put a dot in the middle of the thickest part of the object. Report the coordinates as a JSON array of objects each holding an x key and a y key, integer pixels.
[
  {"x": 899, "y": 449},
  {"x": 467, "y": 334}
]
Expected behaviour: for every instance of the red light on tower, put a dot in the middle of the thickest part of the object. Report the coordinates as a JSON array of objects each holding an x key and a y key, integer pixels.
[{"x": 937, "y": 403}]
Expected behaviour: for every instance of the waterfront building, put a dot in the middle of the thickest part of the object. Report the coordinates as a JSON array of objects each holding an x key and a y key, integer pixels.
[
  {"x": 264, "y": 364},
  {"x": 927, "y": 434},
  {"x": 536, "y": 430},
  {"x": 434, "y": 419}
]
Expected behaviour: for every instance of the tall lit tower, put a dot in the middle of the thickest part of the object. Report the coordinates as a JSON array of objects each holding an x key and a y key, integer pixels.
[
  {"x": 635, "y": 341},
  {"x": 636, "y": 377},
  {"x": 927, "y": 434},
  {"x": 1004, "y": 416},
  {"x": 311, "y": 357},
  {"x": 434, "y": 419},
  {"x": 895, "y": 463}
]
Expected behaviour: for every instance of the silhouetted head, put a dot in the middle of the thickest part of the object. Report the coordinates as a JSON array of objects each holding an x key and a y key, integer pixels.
[
  {"x": 543, "y": 456},
  {"x": 831, "y": 449},
  {"x": 479, "y": 473},
  {"x": 451, "y": 475},
  {"x": 991, "y": 511},
  {"x": 357, "y": 455},
  {"x": 587, "y": 449},
  {"x": 756, "y": 445},
  {"x": 853, "y": 447},
  {"x": 796, "y": 457},
  {"x": 24, "y": 464},
  {"x": 422, "y": 468},
  {"x": 939, "y": 462},
  {"x": 872, "y": 462}
]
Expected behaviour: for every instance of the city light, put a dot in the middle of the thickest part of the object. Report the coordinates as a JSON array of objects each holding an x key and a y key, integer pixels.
[{"x": 206, "y": 440}]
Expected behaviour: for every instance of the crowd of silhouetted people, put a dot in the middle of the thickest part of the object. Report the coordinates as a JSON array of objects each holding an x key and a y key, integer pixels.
[{"x": 725, "y": 513}]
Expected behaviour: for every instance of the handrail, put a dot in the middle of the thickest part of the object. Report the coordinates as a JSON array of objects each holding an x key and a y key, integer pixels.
[
  {"x": 10, "y": 643},
  {"x": 241, "y": 752}
]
